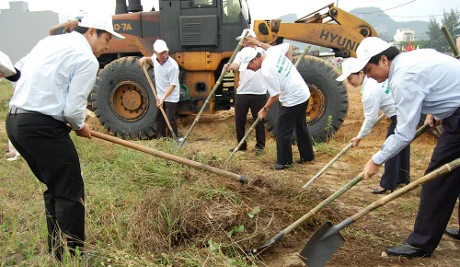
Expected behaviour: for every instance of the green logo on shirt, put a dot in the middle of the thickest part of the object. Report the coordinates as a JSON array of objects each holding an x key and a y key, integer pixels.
[{"x": 386, "y": 87}]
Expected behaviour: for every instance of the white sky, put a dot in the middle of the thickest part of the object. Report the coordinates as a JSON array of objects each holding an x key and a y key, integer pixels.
[{"x": 399, "y": 10}]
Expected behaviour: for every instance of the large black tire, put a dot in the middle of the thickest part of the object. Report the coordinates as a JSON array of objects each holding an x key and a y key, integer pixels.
[
  {"x": 328, "y": 104},
  {"x": 123, "y": 100}
]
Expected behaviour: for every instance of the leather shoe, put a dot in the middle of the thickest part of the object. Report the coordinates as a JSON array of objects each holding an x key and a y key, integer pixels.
[
  {"x": 408, "y": 251},
  {"x": 378, "y": 191},
  {"x": 282, "y": 167},
  {"x": 452, "y": 232},
  {"x": 301, "y": 160}
]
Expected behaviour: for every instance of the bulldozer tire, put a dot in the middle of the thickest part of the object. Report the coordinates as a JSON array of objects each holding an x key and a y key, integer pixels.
[
  {"x": 123, "y": 100},
  {"x": 328, "y": 103}
]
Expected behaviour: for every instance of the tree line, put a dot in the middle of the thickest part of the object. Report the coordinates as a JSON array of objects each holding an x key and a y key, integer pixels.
[{"x": 435, "y": 37}]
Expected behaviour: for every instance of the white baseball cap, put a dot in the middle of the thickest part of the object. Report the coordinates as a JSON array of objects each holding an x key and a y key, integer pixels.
[
  {"x": 160, "y": 46},
  {"x": 246, "y": 55},
  {"x": 101, "y": 22},
  {"x": 249, "y": 33},
  {"x": 349, "y": 66},
  {"x": 368, "y": 48}
]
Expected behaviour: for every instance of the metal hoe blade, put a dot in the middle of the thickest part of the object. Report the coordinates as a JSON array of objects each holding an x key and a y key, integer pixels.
[{"x": 321, "y": 245}]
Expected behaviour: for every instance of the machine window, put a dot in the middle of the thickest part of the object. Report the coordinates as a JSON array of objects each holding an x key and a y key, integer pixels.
[
  {"x": 203, "y": 3},
  {"x": 231, "y": 11}
]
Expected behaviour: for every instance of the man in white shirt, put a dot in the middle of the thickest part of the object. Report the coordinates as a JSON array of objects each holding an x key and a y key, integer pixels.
[
  {"x": 284, "y": 83},
  {"x": 166, "y": 72},
  {"x": 377, "y": 96},
  {"x": 421, "y": 81},
  {"x": 48, "y": 103}
]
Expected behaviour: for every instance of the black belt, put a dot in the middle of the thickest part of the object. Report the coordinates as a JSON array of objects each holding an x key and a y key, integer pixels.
[{"x": 15, "y": 111}]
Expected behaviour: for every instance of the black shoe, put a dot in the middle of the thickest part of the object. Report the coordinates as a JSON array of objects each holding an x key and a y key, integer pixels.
[
  {"x": 259, "y": 151},
  {"x": 378, "y": 191},
  {"x": 301, "y": 160},
  {"x": 408, "y": 251},
  {"x": 454, "y": 233},
  {"x": 241, "y": 149},
  {"x": 282, "y": 167}
]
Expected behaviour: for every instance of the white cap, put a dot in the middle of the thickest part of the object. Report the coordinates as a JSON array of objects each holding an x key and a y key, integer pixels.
[
  {"x": 160, "y": 46},
  {"x": 249, "y": 33},
  {"x": 370, "y": 47},
  {"x": 349, "y": 66},
  {"x": 101, "y": 22},
  {"x": 246, "y": 55}
]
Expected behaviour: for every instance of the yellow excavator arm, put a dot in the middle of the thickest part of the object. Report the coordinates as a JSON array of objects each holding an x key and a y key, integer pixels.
[{"x": 333, "y": 28}]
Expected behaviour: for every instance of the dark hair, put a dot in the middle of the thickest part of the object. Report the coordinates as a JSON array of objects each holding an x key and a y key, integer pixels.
[
  {"x": 83, "y": 30},
  {"x": 390, "y": 53}
]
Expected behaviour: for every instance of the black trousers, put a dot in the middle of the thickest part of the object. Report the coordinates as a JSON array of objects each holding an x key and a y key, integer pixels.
[
  {"x": 397, "y": 169},
  {"x": 162, "y": 128},
  {"x": 291, "y": 118},
  {"x": 51, "y": 155},
  {"x": 243, "y": 103},
  {"x": 438, "y": 197}
]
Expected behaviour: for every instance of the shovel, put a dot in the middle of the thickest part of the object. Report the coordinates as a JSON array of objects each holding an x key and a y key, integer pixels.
[
  {"x": 240, "y": 178},
  {"x": 343, "y": 151},
  {"x": 243, "y": 139},
  {"x": 323, "y": 204},
  {"x": 310, "y": 214},
  {"x": 327, "y": 239}
]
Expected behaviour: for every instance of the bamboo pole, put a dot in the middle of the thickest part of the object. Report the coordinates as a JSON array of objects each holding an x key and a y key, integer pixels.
[
  {"x": 302, "y": 56},
  {"x": 240, "y": 178},
  {"x": 343, "y": 151},
  {"x": 243, "y": 139}
]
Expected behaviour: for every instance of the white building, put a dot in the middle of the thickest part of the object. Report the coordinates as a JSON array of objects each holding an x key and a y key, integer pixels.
[
  {"x": 22, "y": 29},
  {"x": 404, "y": 35}
]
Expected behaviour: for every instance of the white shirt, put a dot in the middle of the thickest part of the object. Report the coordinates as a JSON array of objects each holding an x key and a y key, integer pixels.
[
  {"x": 250, "y": 82},
  {"x": 421, "y": 81},
  {"x": 375, "y": 96},
  {"x": 56, "y": 78},
  {"x": 283, "y": 79},
  {"x": 166, "y": 74}
]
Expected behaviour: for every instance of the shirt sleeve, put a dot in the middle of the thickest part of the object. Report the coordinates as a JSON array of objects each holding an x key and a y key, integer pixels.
[
  {"x": 281, "y": 48},
  {"x": 408, "y": 102},
  {"x": 371, "y": 106},
  {"x": 81, "y": 83}
]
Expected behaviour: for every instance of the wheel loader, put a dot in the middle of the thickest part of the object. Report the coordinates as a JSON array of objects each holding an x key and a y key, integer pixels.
[{"x": 201, "y": 38}]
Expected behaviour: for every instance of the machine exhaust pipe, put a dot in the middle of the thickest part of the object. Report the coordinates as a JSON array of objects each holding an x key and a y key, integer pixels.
[
  {"x": 135, "y": 6},
  {"x": 121, "y": 7}
]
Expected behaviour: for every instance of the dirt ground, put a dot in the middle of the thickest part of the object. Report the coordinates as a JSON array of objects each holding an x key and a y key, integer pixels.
[{"x": 367, "y": 238}]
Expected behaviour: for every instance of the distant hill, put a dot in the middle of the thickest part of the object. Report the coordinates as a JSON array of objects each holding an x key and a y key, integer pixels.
[{"x": 386, "y": 26}]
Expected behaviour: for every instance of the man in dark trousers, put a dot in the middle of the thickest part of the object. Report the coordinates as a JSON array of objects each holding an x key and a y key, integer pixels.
[
  {"x": 48, "y": 103},
  {"x": 167, "y": 85},
  {"x": 285, "y": 83},
  {"x": 421, "y": 81}
]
